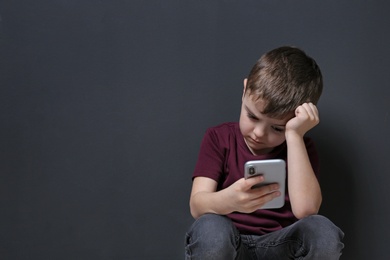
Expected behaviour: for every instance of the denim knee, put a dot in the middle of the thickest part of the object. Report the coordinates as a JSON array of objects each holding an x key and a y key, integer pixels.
[
  {"x": 323, "y": 239},
  {"x": 212, "y": 237}
]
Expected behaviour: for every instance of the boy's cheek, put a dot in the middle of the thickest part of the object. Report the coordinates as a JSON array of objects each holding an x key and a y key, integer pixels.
[{"x": 245, "y": 128}]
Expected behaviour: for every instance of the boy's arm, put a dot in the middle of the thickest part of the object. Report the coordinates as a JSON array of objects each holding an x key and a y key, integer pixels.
[
  {"x": 238, "y": 197},
  {"x": 205, "y": 199},
  {"x": 304, "y": 189}
]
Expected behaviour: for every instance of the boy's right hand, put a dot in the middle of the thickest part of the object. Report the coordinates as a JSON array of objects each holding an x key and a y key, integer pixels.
[{"x": 244, "y": 199}]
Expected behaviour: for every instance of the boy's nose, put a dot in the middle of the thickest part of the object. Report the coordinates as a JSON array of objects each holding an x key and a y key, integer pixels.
[{"x": 259, "y": 131}]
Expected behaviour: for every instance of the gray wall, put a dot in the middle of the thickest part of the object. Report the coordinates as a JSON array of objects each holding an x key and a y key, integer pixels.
[{"x": 103, "y": 105}]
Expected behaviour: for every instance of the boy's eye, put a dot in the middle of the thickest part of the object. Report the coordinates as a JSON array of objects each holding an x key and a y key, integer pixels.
[
  {"x": 278, "y": 129},
  {"x": 251, "y": 116}
]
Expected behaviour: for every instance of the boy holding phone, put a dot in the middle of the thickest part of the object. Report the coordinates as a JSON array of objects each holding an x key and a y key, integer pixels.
[{"x": 278, "y": 108}]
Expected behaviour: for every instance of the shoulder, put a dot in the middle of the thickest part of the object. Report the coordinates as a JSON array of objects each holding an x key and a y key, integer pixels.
[
  {"x": 225, "y": 129},
  {"x": 224, "y": 132},
  {"x": 222, "y": 136}
]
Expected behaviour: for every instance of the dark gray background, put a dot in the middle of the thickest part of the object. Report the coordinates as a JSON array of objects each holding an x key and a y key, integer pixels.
[{"x": 103, "y": 105}]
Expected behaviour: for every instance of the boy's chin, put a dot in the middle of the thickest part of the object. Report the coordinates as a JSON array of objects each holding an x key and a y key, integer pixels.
[{"x": 259, "y": 149}]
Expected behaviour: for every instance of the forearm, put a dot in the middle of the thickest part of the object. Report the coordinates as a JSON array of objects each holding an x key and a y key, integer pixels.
[
  {"x": 204, "y": 202},
  {"x": 304, "y": 189}
]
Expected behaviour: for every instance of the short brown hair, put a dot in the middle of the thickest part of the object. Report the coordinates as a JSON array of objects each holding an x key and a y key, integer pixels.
[{"x": 285, "y": 78}]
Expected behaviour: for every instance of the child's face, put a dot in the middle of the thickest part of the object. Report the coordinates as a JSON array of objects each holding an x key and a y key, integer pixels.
[{"x": 261, "y": 133}]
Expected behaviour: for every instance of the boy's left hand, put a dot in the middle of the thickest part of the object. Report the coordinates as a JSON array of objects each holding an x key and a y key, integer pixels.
[{"x": 306, "y": 117}]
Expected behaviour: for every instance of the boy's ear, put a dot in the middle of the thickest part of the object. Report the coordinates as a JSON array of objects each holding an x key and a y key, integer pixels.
[{"x": 245, "y": 81}]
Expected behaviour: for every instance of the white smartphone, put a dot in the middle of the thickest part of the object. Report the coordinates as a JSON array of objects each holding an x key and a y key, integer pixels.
[{"x": 274, "y": 171}]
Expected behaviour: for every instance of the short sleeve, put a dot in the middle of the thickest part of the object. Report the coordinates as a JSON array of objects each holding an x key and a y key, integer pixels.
[{"x": 211, "y": 157}]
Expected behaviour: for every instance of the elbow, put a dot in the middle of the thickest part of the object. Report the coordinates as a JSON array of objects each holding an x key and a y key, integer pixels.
[
  {"x": 304, "y": 211},
  {"x": 193, "y": 210},
  {"x": 300, "y": 214},
  {"x": 194, "y": 214}
]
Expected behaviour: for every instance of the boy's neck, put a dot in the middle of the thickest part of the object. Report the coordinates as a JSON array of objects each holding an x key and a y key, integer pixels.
[{"x": 261, "y": 152}]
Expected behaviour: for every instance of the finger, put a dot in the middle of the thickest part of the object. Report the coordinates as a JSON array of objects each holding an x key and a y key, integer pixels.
[
  {"x": 315, "y": 111},
  {"x": 302, "y": 112},
  {"x": 311, "y": 111},
  {"x": 274, "y": 194},
  {"x": 264, "y": 190},
  {"x": 298, "y": 110},
  {"x": 250, "y": 182},
  {"x": 256, "y": 204}
]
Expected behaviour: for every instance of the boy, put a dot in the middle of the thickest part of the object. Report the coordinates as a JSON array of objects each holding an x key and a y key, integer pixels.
[{"x": 278, "y": 108}]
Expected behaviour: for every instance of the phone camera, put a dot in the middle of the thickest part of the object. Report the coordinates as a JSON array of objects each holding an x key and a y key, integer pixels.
[{"x": 252, "y": 170}]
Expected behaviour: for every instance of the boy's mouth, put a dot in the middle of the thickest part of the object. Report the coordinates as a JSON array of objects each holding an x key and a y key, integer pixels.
[
  {"x": 255, "y": 141},
  {"x": 255, "y": 144}
]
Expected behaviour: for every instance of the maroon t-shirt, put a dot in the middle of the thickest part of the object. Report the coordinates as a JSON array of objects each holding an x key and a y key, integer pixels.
[{"x": 222, "y": 156}]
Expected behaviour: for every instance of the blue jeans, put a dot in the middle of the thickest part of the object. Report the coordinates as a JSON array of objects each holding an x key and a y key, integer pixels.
[{"x": 215, "y": 237}]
